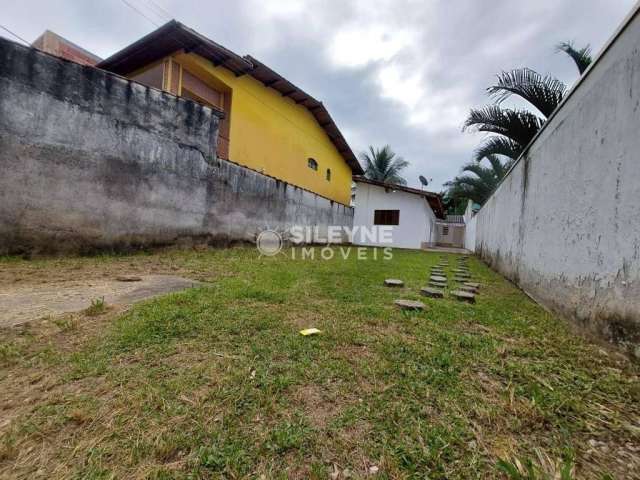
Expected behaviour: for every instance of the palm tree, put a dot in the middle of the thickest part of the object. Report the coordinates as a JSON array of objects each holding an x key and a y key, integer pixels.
[
  {"x": 581, "y": 57},
  {"x": 479, "y": 186},
  {"x": 497, "y": 145},
  {"x": 543, "y": 92},
  {"x": 383, "y": 165},
  {"x": 518, "y": 126}
]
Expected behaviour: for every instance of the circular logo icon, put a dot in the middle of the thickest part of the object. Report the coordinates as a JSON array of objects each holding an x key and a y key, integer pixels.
[{"x": 269, "y": 243}]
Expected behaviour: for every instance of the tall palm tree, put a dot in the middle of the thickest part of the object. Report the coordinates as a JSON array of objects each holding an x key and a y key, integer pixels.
[
  {"x": 479, "y": 186},
  {"x": 383, "y": 165},
  {"x": 543, "y": 92},
  {"x": 497, "y": 145},
  {"x": 581, "y": 57},
  {"x": 516, "y": 128},
  {"x": 520, "y": 126}
]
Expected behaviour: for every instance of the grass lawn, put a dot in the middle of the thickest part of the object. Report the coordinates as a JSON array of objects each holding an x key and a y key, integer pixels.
[{"x": 216, "y": 381}]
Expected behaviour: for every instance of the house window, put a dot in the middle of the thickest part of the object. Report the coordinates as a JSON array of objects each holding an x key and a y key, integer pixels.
[
  {"x": 328, "y": 174},
  {"x": 386, "y": 217},
  {"x": 445, "y": 230},
  {"x": 312, "y": 164}
]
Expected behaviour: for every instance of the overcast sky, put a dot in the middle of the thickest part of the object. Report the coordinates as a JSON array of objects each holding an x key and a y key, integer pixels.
[{"x": 397, "y": 72}]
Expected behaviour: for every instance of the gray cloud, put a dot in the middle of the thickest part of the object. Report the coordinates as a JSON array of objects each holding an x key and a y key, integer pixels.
[{"x": 401, "y": 72}]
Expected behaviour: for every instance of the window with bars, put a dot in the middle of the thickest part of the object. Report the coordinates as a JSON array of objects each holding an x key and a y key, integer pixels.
[{"x": 386, "y": 217}]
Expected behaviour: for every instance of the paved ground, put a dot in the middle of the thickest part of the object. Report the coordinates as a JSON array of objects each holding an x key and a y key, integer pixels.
[{"x": 23, "y": 303}]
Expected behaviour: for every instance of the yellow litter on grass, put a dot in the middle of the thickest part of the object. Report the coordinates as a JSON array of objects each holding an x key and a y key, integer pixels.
[{"x": 310, "y": 331}]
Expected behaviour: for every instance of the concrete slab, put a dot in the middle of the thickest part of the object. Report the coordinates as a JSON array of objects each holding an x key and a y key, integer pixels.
[
  {"x": 393, "y": 282},
  {"x": 409, "y": 304},
  {"x": 437, "y": 284},
  {"x": 438, "y": 278},
  {"x": 30, "y": 302},
  {"x": 472, "y": 284},
  {"x": 463, "y": 296},
  {"x": 432, "y": 292},
  {"x": 466, "y": 288}
]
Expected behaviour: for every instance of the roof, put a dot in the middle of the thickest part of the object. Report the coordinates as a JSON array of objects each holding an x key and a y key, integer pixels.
[
  {"x": 174, "y": 36},
  {"x": 434, "y": 199},
  {"x": 42, "y": 42}
]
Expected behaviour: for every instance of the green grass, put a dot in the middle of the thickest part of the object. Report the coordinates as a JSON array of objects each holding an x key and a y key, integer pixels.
[{"x": 216, "y": 382}]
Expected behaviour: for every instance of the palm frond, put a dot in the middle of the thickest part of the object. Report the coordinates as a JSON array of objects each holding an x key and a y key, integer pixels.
[
  {"x": 543, "y": 92},
  {"x": 518, "y": 125},
  {"x": 581, "y": 57},
  {"x": 383, "y": 165},
  {"x": 498, "y": 168},
  {"x": 481, "y": 184},
  {"x": 498, "y": 145}
]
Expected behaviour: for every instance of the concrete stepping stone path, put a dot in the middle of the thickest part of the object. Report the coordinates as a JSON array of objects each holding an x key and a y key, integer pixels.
[
  {"x": 463, "y": 296},
  {"x": 393, "y": 282},
  {"x": 432, "y": 292},
  {"x": 438, "y": 278},
  {"x": 409, "y": 304},
  {"x": 462, "y": 278},
  {"x": 466, "y": 288},
  {"x": 437, "y": 284}
]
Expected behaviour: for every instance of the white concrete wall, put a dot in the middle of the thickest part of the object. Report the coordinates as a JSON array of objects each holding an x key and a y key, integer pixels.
[
  {"x": 417, "y": 220},
  {"x": 470, "y": 234},
  {"x": 470, "y": 221},
  {"x": 565, "y": 223}
]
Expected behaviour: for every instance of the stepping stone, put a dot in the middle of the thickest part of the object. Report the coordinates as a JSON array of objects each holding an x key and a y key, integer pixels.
[
  {"x": 432, "y": 292},
  {"x": 472, "y": 284},
  {"x": 438, "y": 278},
  {"x": 464, "y": 296},
  {"x": 409, "y": 304},
  {"x": 466, "y": 288},
  {"x": 461, "y": 279},
  {"x": 393, "y": 282},
  {"x": 437, "y": 284},
  {"x": 437, "y": 271},
  {"x": 461, "y": 270}
]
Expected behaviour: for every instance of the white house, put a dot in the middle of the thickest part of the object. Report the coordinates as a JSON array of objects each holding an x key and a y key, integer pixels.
[{"x": 409, "y": 213}]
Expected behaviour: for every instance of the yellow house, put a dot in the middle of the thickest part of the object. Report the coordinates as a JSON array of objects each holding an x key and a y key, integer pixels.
[{"x": 269, "y": 124}]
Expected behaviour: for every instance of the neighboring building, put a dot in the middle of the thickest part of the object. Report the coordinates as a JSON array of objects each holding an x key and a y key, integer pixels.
[
  {"x": 270, "y": 125},
  {"x": 412, "y": 213},
  {"x": 54, "y": 44},
  {"x": 451, "y": 231}
]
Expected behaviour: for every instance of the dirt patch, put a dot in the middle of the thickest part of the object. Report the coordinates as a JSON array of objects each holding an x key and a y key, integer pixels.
[{"x": 20, "y": 303}]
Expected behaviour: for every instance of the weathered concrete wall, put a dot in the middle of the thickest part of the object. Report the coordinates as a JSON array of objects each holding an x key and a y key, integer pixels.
[
  {"x": 90, "y": 160},
  {"x": 565, "y": 223}
]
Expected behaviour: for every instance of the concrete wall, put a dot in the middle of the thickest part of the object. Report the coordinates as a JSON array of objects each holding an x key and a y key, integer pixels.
[
  {"x": 449, "y": 234},
  {"x": 470, "y": 221},
  {"x": 470, "y": 234},
  {"x": 90, "y": 160},
  {"x": 565, "y": 223},
  {"x": 417, "y": 220}
]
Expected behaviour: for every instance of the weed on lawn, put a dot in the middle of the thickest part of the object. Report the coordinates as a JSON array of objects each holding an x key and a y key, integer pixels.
[{"x": 217, "y": 382}]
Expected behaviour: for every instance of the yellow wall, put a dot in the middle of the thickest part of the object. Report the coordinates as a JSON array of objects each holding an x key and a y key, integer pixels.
[{"x": 273, "y": 134}]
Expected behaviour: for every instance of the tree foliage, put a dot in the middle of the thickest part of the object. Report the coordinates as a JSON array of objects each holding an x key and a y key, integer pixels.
[
  {"x": 383, "y": 165},
  {"x": 581, "y": 57}
]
